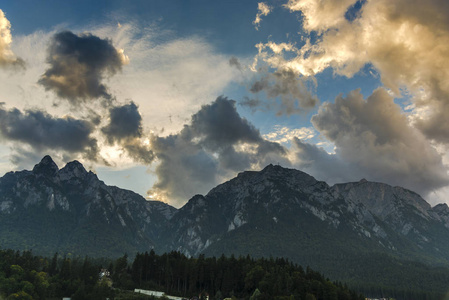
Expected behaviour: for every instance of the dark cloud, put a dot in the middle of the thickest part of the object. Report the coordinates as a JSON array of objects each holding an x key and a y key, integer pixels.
[
  {"x": 78, "y": 65},
  {"x": 292, "y": 89},
  {"x": 125, "y": 130},
  {"x": 24, "y": 158},
  {"x": 250, "y": 102},
  {"x": 216, "y": 144},
  {"x": 254, "y": 104},
  {"x": 375, "y": 140},
  {"x": 324, "y": 166},
  {"x": 220, "y": 125},
  {"x": 234, "y": 62},
  {"x": 139, "y": 152},
  {"x": 42, "y": 131},
  {"x": 124, "y": 122},
  {"x": 181, "y": 159}
]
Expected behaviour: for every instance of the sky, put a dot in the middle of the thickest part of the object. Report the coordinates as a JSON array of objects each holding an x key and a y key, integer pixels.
[{"x": 170, "y": 98}]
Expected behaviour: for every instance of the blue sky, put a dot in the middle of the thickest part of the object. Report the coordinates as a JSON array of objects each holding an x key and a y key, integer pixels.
[{"x": 171, "y": 98}]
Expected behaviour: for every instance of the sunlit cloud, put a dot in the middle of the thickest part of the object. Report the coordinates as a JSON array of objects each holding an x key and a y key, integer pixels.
[
  {"x": 263, "y": 9},
  {"x": 320, "y": 15},
  {"x": 7, "y": 56},
  {"x": 407, "y": 43},
  {"x": 284, "y": 135}
]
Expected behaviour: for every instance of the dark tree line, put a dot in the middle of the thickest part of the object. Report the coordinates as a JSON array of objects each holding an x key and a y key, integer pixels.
[
  {"x": 242, "y": 278},
  {"x": 26, "y": 276}
]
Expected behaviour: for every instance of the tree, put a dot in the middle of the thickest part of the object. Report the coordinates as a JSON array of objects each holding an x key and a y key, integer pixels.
[
  {"x": 20, "y": 296},
  {"x": 255, "y": 295},
  {"x": 310, "y": 297},
  {"x": 253, "y": 277},
  {"x": 53, "y": 265}
]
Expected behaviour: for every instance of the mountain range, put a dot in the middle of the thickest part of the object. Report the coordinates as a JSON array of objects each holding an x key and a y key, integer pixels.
[{"x": 349, "y": 231}]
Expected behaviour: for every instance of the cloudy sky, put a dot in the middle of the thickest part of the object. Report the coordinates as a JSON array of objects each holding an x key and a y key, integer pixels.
[{"x": 171, "y": 98}]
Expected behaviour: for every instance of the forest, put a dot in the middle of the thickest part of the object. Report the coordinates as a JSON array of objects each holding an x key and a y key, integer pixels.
[{"x": 27, "y": 276}]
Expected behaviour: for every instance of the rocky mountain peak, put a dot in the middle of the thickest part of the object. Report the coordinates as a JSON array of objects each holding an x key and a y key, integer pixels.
[
  {"x": 442, "y": 207},
  {"x": 288, "y": 176},
  {"x": 46, "y": 167},
  {"x": 274, "y": 172},
  {"x": 71, "y": 208},
  {"x": 73, "y": 169},
  {"x": 442, "y": 211},
  {"x": 268, "y": 180}
]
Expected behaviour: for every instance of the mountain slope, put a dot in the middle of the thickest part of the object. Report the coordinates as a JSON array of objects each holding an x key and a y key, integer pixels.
[
  {"x": 285, "y": 212},
  {"x": 71, "y": 210}
]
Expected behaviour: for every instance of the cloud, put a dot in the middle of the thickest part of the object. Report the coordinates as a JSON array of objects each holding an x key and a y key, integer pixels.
[
  {"x": 284, "y": 91},
  {"x": 407, "y": 42},
  {"x": 292, "y": 89},
  {"x": 283, "y": 134},
  {"x": 254, "y": 104},
  {"x": 124, "y": 122},
  {"x": 7, "y": 57},
  {"x": 125, "y": 130},
  {"x": 215, "y": 145},
  {"x": 139, "y": 151},
  {"x": 169, "y": 77},
  {"x": 234, "y": 62},
  {"x": 263, "y": 9},
  {"x": 78, "y": 65},
  {"x": 318, "y": 162},
  {"x": 180, "y": 158},
  {"x": 321, "y": 15},
  {"x": 42, "y": 131},
  {"x": 374, "y": 138},
  {"x": 219, "y": 125}
]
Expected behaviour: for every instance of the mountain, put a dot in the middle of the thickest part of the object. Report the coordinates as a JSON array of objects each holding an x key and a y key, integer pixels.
[
  {"x": 282, "y": 212},
  {"x": 70, "y": 210},
  {"x": 289, "y": 202},
  {"x": 360, "y": 232}
]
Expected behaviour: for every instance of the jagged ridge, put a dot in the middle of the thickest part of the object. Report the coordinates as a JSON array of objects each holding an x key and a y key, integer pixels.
[{"x": 71, "y": 210}]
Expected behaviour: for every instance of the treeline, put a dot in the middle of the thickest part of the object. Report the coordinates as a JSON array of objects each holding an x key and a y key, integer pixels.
[
  {"x": 241, "y": 278},
  {"x": 26, "y": 276}
]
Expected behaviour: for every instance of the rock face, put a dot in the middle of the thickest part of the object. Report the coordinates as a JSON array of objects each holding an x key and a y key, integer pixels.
[{"x": 71, "y": 210}]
